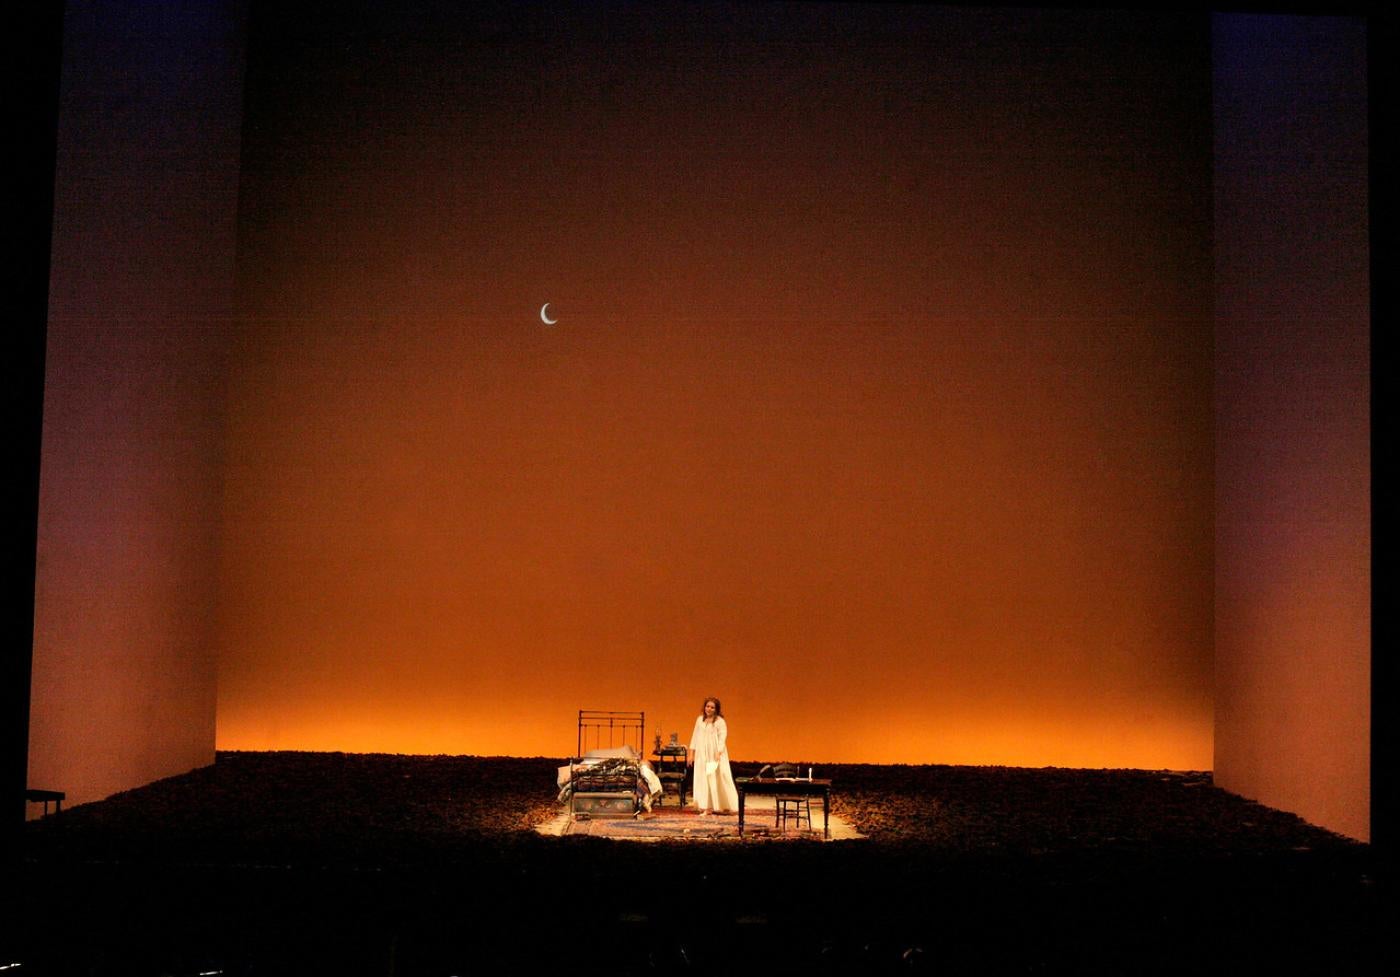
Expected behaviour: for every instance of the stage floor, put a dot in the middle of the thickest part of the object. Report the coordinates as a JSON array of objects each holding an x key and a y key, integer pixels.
[{"x": 300, "y": 862}]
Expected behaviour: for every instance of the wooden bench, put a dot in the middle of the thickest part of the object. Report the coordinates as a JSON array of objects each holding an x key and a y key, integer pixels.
[{"x": 44, "y": 797}]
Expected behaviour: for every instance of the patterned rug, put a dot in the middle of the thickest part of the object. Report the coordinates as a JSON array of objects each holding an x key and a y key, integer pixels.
[{"x": 673, "y": 824}]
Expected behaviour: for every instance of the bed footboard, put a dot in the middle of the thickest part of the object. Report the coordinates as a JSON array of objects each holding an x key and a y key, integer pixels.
[{"x": 607, "y": 788}]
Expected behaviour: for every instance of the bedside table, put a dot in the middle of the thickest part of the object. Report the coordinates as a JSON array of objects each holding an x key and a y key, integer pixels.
[{"x": 669, "y": 764}]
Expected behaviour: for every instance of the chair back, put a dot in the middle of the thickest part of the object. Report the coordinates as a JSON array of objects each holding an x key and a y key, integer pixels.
[{"x": 785, "y": 769}]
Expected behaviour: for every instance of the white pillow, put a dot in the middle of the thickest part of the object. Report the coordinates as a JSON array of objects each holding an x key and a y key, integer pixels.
[{"x": 625, "y": 751}]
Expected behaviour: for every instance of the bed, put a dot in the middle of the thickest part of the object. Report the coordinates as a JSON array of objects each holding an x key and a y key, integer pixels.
[{"x": 608, "y": 776}]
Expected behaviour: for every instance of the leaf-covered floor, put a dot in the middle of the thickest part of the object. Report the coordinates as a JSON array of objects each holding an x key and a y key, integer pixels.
[{"x": 295, "y": 862}]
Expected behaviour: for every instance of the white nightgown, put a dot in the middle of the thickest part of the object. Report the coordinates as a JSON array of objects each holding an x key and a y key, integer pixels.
[{"x": 716, "y": 791}]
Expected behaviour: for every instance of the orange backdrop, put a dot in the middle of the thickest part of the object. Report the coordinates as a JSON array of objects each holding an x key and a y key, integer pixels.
[{"x": 878, "y": 404}]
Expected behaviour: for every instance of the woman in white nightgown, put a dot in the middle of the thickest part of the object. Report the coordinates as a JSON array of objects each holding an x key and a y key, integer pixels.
[{"x": 713, "y": 784}]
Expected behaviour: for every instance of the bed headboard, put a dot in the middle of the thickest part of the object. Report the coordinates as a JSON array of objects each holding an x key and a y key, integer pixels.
[{"x": 599, "y": 729}]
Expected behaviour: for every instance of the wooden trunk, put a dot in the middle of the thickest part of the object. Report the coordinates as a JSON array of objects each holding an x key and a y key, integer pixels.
[{"x": 605, "y": 805}]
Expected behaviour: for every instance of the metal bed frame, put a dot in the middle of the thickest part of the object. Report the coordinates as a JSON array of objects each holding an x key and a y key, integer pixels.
[
  {"x": 618, "y": 725},
  {"x": 604, "y": 793}
]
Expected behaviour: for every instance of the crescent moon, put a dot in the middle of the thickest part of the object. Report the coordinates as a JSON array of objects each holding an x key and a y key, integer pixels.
[{"x": 544, "y": 315}]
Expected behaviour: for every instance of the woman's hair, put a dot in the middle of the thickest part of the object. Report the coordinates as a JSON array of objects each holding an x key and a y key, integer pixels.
[{"x": 708, "y": 699}]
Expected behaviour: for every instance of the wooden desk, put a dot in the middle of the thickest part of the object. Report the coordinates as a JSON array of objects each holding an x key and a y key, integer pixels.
[{"x": 767, "y": 785}]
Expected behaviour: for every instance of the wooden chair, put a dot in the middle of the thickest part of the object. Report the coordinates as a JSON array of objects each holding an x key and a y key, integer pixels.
[{"x": 796, "y": 806}]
